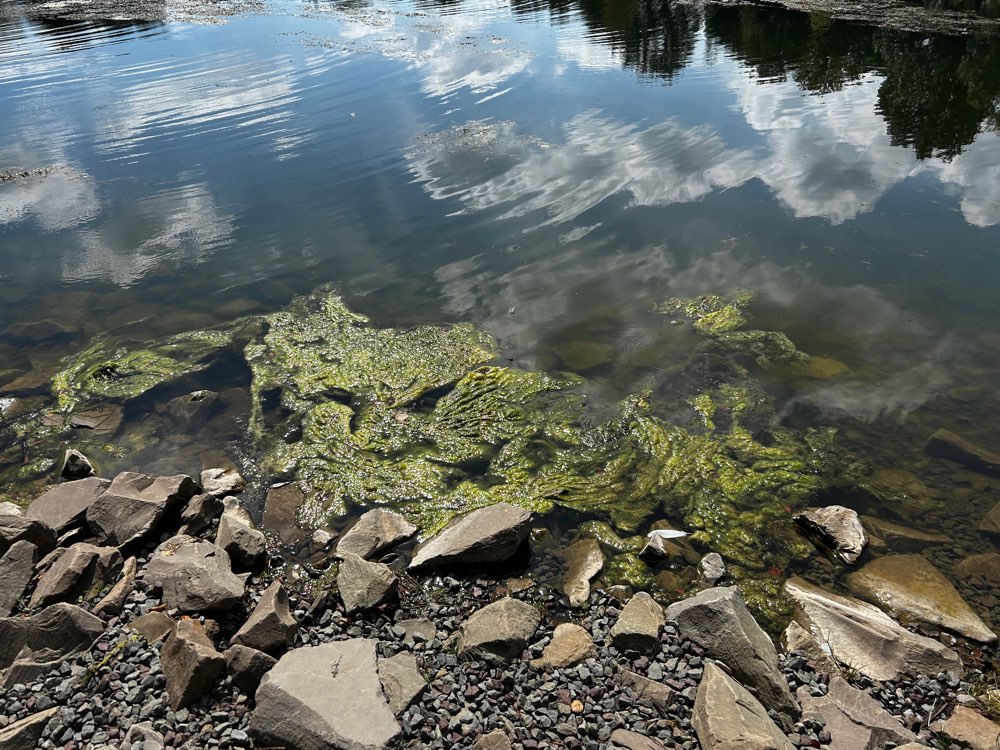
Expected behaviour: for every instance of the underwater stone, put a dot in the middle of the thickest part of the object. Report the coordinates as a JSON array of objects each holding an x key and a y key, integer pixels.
[
  {"x": 835, "y": 528},
  {"x": 948, "y": 445}
]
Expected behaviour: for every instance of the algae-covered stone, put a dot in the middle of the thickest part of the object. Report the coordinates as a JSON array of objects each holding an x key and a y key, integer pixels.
[{"x": 711, "y": 313}]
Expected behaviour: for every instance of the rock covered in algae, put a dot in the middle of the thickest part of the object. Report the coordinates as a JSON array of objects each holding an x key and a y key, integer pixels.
[{"x": 711, "y": 313}]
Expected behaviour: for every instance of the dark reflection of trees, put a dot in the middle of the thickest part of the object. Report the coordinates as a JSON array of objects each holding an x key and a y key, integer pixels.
[{"x": 938, "y": 92}]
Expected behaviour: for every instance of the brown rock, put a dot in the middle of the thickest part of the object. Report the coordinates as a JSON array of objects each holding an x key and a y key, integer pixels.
[
  {"x": 374, "y": 533},
  {"x": 271, "y": 627},
  {"x": 491, "y": 534},
  {"x": 644, "y": 690},
  {"x": 80, "y": 571},
  {"x": 584, "y": 560},
  {"x": 853, "y": 718},
  {"x": 901, "y": 538},
  {"x": 113, "y": 603},
  {"x": 727, "y": 717},
  {"x": 638, "y": 625},
  {"x": 65, "y": 505},
  {"x": 985, "y": 566},
  {"x": 970, "y": 727},
  {"x": 190, "y": 663},
  {"x": 836, "y": 529},
  {"x": 495, "y": 740},
  {"x": 17, "y": 568},
  {"x": 623, "y": 738},
  {"x": 247, "y": 666},
  {"x": 569, "y": 646},
  {"x": 154, "y": 626}
]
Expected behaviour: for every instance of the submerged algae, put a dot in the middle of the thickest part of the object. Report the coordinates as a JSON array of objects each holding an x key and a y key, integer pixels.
[{"x": 711, "y": 313}]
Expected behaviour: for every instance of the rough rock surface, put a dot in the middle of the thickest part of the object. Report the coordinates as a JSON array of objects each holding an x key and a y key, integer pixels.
[
  {"x": 491, "y": 534},
  {"x": 711, "y": 568},
  {"x": 247, "y": 667},
  {"x": 584, "y": 560},
  {"x": 402, "y": 682},
  {"x": 222, "y": 482},
  {"x": 638, "y": 625},
  {"x": 17, "y": 568},
  {"x": 835, "y": 528},
  {"x": 660, "y": 696},
  {"x": 495, "y": 740},
  {"x": 190, "y": 663},
  {"x": 65, "y": 505},
  {"x": 986, "y": 566},
  {"x": 79, "y": 571},
  {"x": 365, "y": 585},
  {"x": 194, "y": 575},
  {"x": 910, "y": 585},
  {"x": 14, "y": 527},
  {"x": 852, "y": 717},
  {"x": 948, "y": 445},
  {"x": 29, "y": 645},
  {"x": 718, "y": 620},
  {"x": 796, "y": 638},
  {"x": 25, "y": 733},
  {"x": 569, "y": 646},
  {"x": 199, "y": 513},
  {"x": 75, "y": 465},
  {"x": 144, "y": 735},
  {"x": 271, "y": 627},
  {"x": 989, "y": 524},
  {"x": 970, "y": 727},
  {"x": 623, "y": 738},
  {"x": 501, "y": 628},
  {"x": 113, "y": 602},
  {"x": 377, "y": 531},
  {"x": 245, "y": 545},
  {"x": 153, "y": 626},
  {"x": 319, "y": 697},
  {"x": 134, "y": 504},
  {"x": 862, "y": 637},
  {"x": 727, "y": 717},
  {"x": 903, "y": 538}
]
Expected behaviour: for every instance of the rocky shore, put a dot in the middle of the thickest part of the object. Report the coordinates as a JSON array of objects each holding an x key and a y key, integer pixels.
[{"x": 149, "y": 612}]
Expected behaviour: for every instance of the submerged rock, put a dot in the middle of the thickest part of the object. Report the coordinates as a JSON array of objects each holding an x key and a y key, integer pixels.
[
  {"x": 986, "y": 566},
  {"x": 948, "y": 445},
  {"x": 901, "y": 538},
  {"x": 75, "y": 465},
  {"x": 727, "y": 717},
  {"x": 835, "y": 528}
]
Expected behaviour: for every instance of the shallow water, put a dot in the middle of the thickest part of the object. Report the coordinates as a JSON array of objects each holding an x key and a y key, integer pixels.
[{"x": 547, "y": 171}]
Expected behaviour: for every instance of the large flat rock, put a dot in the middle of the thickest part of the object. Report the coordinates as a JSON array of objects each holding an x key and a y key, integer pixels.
[
  {"x": 78, "y": 572},
  {"x": 65, "y": 505},
  {"x": 727, "y": 717},
  {"x": 323, "y": 697},
  {"x": 852, "y": 717},
  {"x": 134, "y": 504},
  {"x": 486, "y": 535},
  {"x": 28, "y": 645},
  {"x": 17, "y": 568}
]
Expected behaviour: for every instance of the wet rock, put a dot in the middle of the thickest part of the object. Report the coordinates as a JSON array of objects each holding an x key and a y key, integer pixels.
[
  {"x": 271, "y": 627},
  {"x": 15, "y": 527},
  {"x": 245, "y": 546},
  {"x": 199, "y": 513},
  {"x": 112, "y": 604},
  {"x": 495, "y": 740},
  {"x": 835, "y": 528},
  {"x": 154, "y": 626},
  {"x": 38, "y": 331},
  {"x": 144, "y": 735},
  {"x": 660, "y": 696},
  {"x": 711, "y": 568},
  {"x": 852, "y": 717},
  {"x": 65, "y": 505},
  {"x": 623, "y": 738},
  {"x": 100, "y": 422},
  {"x": 569, "y": 646},
  {"x": 901, "y": 538},
  {"x": 324, "y": 696},
  {"x": 584, "y": 560},
  {"x": 134, "y": 504},
  {"x": 970, "y": 727},
  {"x": 909, "y": 585},
  {"x": 491, "y": 534},
  {"x": 661, "y": 544},
  {"x": 193, "y": 410},
  {"x": 27, "y": 732},
  {"x": 194, "y": 575},
  {"x": 30, "y": 646},
  {"x": 796, "y": 638},
  {"x": 718, "y": 620},
  {"x": 77, "y": 572},
  {"x": 365, "y": 585},
  {"x": 638, "y": 625},
  {"x": 401, "y": 681},
  {"x": 377, "y": 531},
  {"x": 280, "y": 509},
  {"x": 190, "y": 663},
  {"x": 862, "y": 637},
  {"x": 75, "y": 465},
  {"x": 948, "y": 445},
  {"x": 501, "y": 629},
  {"x": 991, "y": 521},
  {"x": 986, "y": 565},
  {"x": 727, "y": 717},
  {"x": 221, "y": 482},
  {"x": 17, "y": 568},
  {"x": 247, "y": 667}
]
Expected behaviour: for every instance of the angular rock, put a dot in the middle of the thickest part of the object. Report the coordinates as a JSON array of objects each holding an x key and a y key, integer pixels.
[
  {"x": 985, "y": 566},
  {"x": 946, "y": 444},
  {"x": 377, "y": 531},
  {"x": 401, "y": 680},
  {"x": 903, "y": 538},
  {"x": 280, "y": 510},
  {"x": 75, "y": 465},
  {"x": 322, "y": 697},
  {"x": 26, "y": 733},
  {"x": 199, "y": 513},
  {"x": 194, "y": 575},
  {"x": 30, "y": 645},
  {"x": 80, "y": 571},
  {"x": 852, "y": 717},
  {"x": 417, "y": 630},
  {"x": 797, "y": 639},
  {"x": 365, "y": 585},
  {"x": 495, "y": 740},
  {"x": 246, "y": 546},
  {"x": 623, "y": 738},
  {"x": 862, "y": 637},
  {"x": 134, "y": 504},
  {"x": 486, "y": 535},
  {"x": 271, "y": 627},
  {"x": 569, "y": 646},
  {"x": 143, "y": 733},
  {"x": 222, "y": 482},
  {"x": 65, "y": 505},
  {"x": 836, "y": 529},
  {"x": 711, "y": 568},
  {"x": 727, "y": 717},
  {"x": 500, "y": 629},
  {"x": 190, "y": 663},
  {"x": 247, "y": 667},
  {"x": 113, "y": 603},
  {"x": 970, "y": 727},
  {"x": 643, "y": 689},
  {"x": 991, "y": 521},
  {"x": 718, "y": 620},
  {"x": 17, "y": 568},
  {"x": 14, "y": 527},
  {"x": 662, "y": 544},
  {"x": 910, "y": 585},
  {"x": 638, "y": 625},
  {"x": 154, "y": 626},
  {"x": 584, "y": 560}
]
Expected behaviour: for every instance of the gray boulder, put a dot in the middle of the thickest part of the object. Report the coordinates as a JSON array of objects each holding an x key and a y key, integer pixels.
[
  {"x": 718, "y": 620},
  {"x": 375, "y": 532},
  {"x": 401, "y": 681},
  {"x": 322, "y": 697},
  {"x": 584, "y": 560},
  {"x": 77, "y": 572},
  {"x": 15, "y": 527},
  {"x": 113, "y": 603},
  {"x": 222, "y": 482},
  {"x": 271, "y": 627},
  {"x": 836, "y": 529},
  {"x": 638, "y": 626},
  {"x": 65, "y": 505},
  {"x": 194, "y": 575},
  {"x": 26, "y": 733},
  {"x": 853, "y": 718},
  {"x": 245, "y": 546},
  {"x": 247, "y": 667},
  {"x": 134, "y": 504},
  {"x": 499, "y": 629},
  {"x": 727, "y": 717},
  {"x": 711, "y": 568},
  {"x": 486, "y": 535},
  {"x": 30, "y": 646},
  {"x": 199, "y": 513},
  {"x": 17, "y": 568},
  {"x": 190, "y": 663},
  {"x": 365, "y": 585}
]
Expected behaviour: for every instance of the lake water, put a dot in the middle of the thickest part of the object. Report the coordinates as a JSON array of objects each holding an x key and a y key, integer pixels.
[{"x": 548, "y": 171}]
